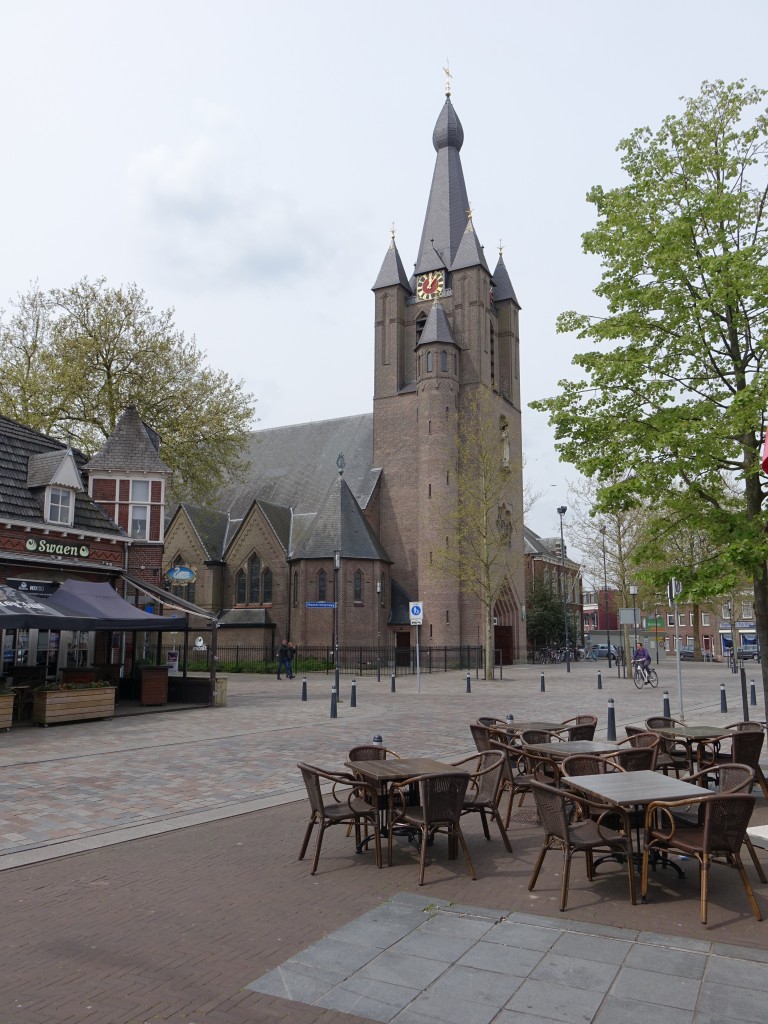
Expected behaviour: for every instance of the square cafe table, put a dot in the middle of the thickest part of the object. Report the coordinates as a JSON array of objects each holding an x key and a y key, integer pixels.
[
  {"x": 629, "y": 790},
  {"x": 565, "y": 748},
  {"x": 693, "y": 734},
  {"x": 385, "y": 772}
]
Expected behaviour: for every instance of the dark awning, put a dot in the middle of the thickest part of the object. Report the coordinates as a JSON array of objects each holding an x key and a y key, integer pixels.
[
  {"x": 107, "y": 610},
  {"x": 20, "y": 610}
]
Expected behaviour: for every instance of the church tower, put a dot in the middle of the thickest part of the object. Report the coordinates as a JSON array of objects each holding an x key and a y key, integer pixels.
[{"x": 446, "y": 344}]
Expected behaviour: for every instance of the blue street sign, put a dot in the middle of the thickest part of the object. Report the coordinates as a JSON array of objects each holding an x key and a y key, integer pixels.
[{"x": 320, "y": 604}]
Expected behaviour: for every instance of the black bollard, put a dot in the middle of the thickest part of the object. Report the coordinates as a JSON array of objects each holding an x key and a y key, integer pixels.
[
  {"x": 752, "y": 694},
  {"x": 599, "y": 680},
  {"x": 723, "y": 701},
  {"x": 611, "y": 732},
  {"x": 334, "y": 713},
  {"x": 392, "y": 684},
  {"x": 665, "y": 706},
  {"x": 469, "y": 683},
  {"x": 541, "y": 684},
  {"x": 304, "y": 688},
  {"x": 353, "y": 695}
]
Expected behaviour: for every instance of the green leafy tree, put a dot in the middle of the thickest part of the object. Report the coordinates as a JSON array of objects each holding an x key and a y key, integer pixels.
[
  {"x": 671, "y": 399},
  {"x": 544, "y": 623},
  {"x": 74, "y": 358}
]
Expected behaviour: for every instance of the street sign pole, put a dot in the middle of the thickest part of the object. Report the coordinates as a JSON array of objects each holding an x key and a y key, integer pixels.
[{"x": 416, "y": 614}]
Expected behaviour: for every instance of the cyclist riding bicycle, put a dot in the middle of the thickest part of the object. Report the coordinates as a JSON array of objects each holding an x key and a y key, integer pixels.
[{"x": 642, "y": 658}]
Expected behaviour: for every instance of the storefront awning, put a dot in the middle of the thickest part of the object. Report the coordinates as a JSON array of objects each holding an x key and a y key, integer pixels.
[
  {"x": 168, "y": 599},
  {"x": 20, "y": 610},
  {"x": 105, "y": 609}
]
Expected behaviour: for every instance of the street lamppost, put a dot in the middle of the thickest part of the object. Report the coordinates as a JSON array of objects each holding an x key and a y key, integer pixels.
[
  {"x": 561, "y": 512},
  {"x": 336, "y": 567},
  {"x": 605, "y": 584},
  {"x": 633, "y": 592},
  {"x": 378, "y": 633}
]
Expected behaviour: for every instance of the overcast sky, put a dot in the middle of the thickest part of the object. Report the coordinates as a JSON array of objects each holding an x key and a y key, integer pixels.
[{"x": 243, "y": 162}]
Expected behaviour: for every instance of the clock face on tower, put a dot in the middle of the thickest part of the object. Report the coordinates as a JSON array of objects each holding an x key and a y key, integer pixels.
[{"x": 429, "y": 286}]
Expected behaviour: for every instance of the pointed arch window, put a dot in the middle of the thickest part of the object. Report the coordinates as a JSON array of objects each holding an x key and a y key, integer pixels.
[
  {"x": 444, "y": 362},
  {"x": 429, "y": 362},
  {"x": 266, "y": 588},
  {"x": 254, "y": 580},
  {"x": 358, "y": 587},
  {"x": 295, "y": 589},
  {"x": 322, "y": 585},
  {"x": 240, "y": 588}
]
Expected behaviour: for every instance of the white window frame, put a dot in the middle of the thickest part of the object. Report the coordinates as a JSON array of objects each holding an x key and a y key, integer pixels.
[
  {"x": 705, "y": 618},
  {"x": 69, "y": 506},
  {"x": 139, "y": 503}
]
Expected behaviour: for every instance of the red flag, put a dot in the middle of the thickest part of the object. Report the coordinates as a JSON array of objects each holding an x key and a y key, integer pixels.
[{"x": 764, "y": 463}]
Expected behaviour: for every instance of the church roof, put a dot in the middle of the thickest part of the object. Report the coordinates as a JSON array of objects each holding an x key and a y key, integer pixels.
[
  {"x": 339, "y": 525},
  {"x": 130, "y": 448},
  {"x": 470, "y": 252},
  {"x": 502, "y": 285},
  {"x": 448, "y": 204},
  {"x": 291, "y": 466},
  {"x": 392, "y": 271},
  {"x": 211, "y": 527},
  {"x": 437, "y": 328}
]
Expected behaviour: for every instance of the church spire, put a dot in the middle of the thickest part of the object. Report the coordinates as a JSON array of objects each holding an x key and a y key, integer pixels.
[{"x": 447, "y": 206}]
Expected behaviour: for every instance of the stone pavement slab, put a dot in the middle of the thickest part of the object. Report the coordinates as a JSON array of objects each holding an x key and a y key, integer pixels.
[{"x": 571, "y": 976}]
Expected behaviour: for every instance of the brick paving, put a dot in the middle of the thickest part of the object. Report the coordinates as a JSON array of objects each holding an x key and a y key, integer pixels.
[{"x": 174, "y": 924}]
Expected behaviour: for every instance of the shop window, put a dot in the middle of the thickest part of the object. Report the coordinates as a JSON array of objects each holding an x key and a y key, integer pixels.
[
  {"x": 240, "y": 589},
  {"x": 61, "y": 504},
  {"x": 266, "y": 591},
  {"x": 322, "y": 585},
  {"x": 254, "y": 580},
  {"x": 358, "y": 587}
]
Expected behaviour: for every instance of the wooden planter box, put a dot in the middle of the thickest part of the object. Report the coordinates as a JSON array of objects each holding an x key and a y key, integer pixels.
[
  {"x": 52, "y": 706},
  {"x": 6, "y": 710},
  {"x": 70, "y": 676},
  {"x": 154, "y": 684}
]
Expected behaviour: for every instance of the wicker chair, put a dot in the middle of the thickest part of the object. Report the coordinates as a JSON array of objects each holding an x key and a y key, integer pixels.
[
  {"x": 638, "y": 737},
  {"x": 441, "y": 802},
  {"x": 722, "y": 778},
  {"x": 538, "y": 736},
  {"x": 584, "y": 836},
  {"x": 724, "y": 822},
  {"x": 746, "y": 747},
  {"x": 582, "y": 727},
  {"x": 356, "y": 804},
  {"x": 370, "y": 752},
  {"x": 676, "y": 754},
  {"x": 490, "y": 720},
  {"x": 515, "y": 778},
  {"x": 486, "y": 785},
  {"x": 591, "y": 764},
  {"x": 636, "y": 757},
  {"x": 482, "y": 735}
]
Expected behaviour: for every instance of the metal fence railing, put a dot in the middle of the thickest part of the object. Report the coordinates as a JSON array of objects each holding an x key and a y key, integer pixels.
[{"x": 353, "y": 660}]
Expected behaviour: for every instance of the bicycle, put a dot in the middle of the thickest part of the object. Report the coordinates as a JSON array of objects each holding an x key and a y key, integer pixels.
[{"x": 644, "y": 676}]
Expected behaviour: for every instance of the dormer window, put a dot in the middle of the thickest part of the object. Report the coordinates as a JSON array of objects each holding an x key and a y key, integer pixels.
[{"x": 60, "y": 506}]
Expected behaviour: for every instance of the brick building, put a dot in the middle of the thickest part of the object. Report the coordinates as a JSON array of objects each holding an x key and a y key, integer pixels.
[
  {"x": 545, "y": 561},
  {"x": 378, "y": 488}
]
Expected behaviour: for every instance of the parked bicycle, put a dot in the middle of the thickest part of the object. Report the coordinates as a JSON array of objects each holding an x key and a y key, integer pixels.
[{"x": 644, "y": 676}]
